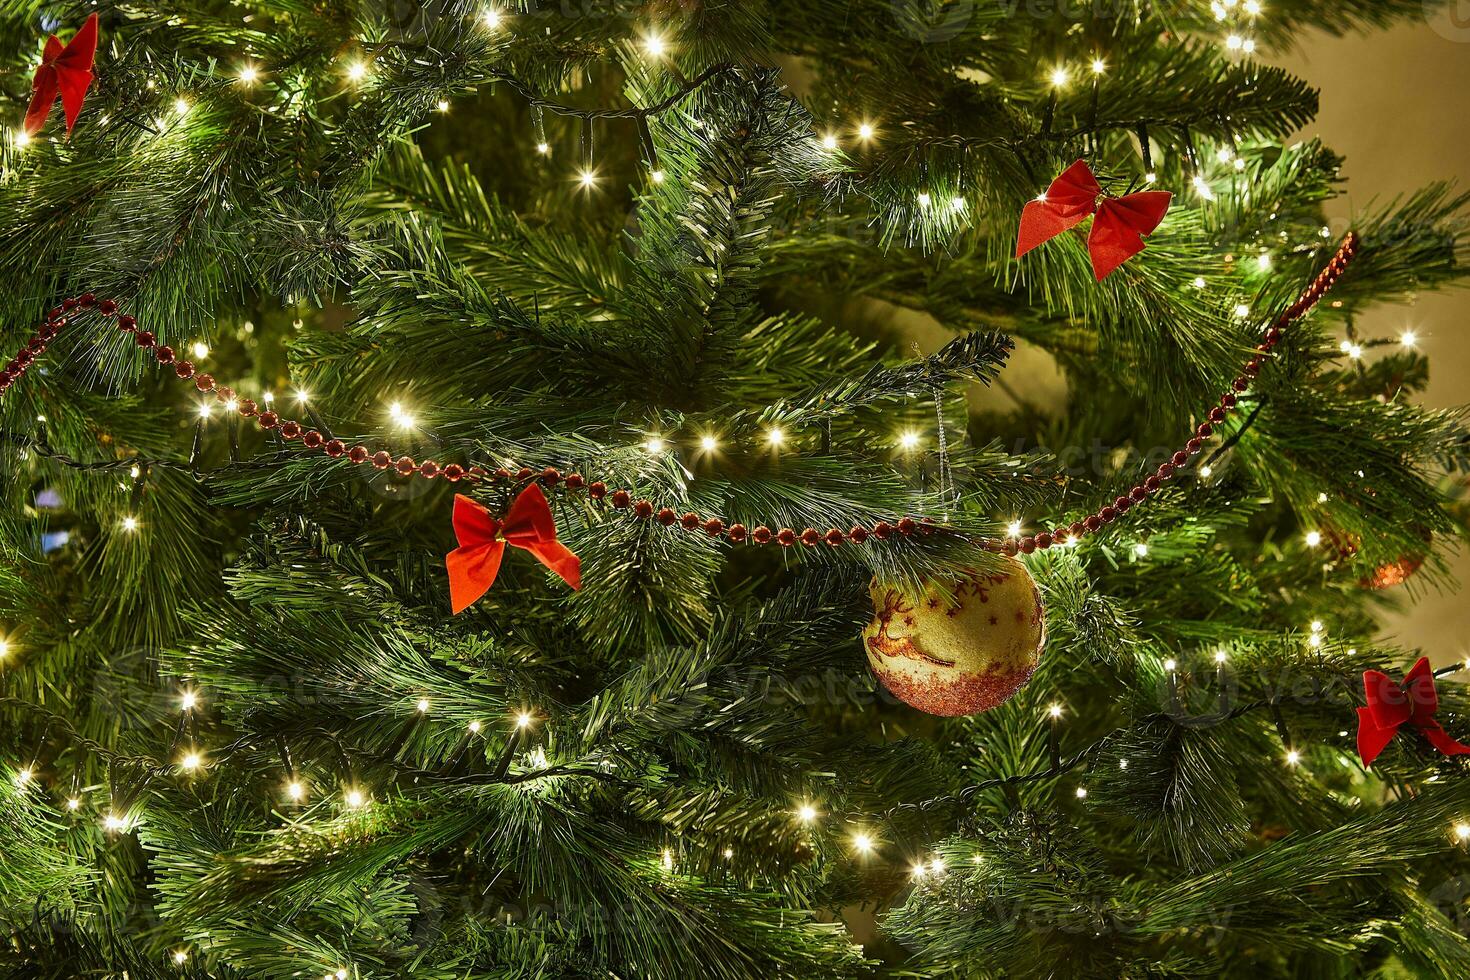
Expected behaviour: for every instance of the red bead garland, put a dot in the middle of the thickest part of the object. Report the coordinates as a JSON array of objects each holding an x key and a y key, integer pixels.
[{"x": 713, "y": 527}]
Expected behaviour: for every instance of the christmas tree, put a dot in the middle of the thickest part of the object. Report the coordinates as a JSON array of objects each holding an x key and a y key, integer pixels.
[{"x": 768, "y": 644}]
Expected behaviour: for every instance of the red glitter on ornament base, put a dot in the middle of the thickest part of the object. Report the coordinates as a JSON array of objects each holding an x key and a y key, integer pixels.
[{"x": 967, "y": 694}]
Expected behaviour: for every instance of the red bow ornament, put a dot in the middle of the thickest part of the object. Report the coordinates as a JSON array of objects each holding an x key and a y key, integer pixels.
[
  {"x": 1117, "y": 230},
  {"x": 65, "y": 71},
  {"x": 1390, "y": 707},
  {"x": 482, "y": 540}
]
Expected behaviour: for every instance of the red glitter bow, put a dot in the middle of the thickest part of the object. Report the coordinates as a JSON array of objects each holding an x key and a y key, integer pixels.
[
  {"x": 1117, "y": 231},
  {"x": 66, "y": 71},
  {"x": 1390, "y": 707},
  {"x": 482, "y": 540}
]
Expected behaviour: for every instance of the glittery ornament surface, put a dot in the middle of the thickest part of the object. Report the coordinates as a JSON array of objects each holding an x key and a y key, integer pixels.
[{"x": 960, "y": 647}]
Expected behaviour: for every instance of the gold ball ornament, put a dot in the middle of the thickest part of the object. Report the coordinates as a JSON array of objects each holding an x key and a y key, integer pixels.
[{"x": 962, "y": 646}]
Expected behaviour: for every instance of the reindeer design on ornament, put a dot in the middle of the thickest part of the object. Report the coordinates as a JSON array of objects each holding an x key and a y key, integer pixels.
[{"x": 884, "y": 645}]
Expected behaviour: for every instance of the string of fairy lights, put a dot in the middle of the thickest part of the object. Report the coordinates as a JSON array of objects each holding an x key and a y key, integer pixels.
[{"x": 865, "y": 835}]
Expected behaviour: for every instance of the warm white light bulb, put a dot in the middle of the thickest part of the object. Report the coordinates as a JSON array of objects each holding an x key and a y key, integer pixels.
[
  {"x": 1013, "y": 529},
  {"x": 1054, "y": 710},
  {"x": 1205, "y": 471},
  {"x": 356, "y": 71},
  {"x": 1171, "y": 665},
  {"x": 1293, "y": 757},
  {"x": 423, "y": 706},
  {"x": 249, "y": 74},
  {"x": 1141, "y": 550},
  {"x": 1408, "y": 338},
  {"x": 21, "y": 139},
  {"x": 654, "y": 45},
  {"x": 114, "y": 823},
  {"x": 1199, "y": 282},
  {"x": 1263, "y": 261},
  {"x": 862, "y": 843},
  {"x": 204, "y": 410},
  {"x": 1058, "y": 77},
  {"x": 708, "y": 443},
  {"x": 201, "y": 350},
  {"x": 181, "y": 105},
  {"x": 657, "y": 176},
  {"x": 543, "y": 148},
  {"x": 302, "y": 396},
  {"x": 73, "y": 804},
  {"x": 865, "y": 131},
  {"x": 1314, "y": 538},
  {"x": 807, "y": 813},
  {"x": 1462, "y": 831},
  {"x": 492, "y": 18},
  {"x": 354, "y": 798},
  {"x": 957, "y": 204},
  {"x": 1098, "y": 67},
  {"x": 829, "y": 142},
  {"x": 1234, "y": 42},
  {"x": 587, "y": 178},
  {"x": 1220, "y": 656},
  {"x": 442, "y": 105},
  {"x": 909, "y": 440},
  {"x": 1081, "y": 792},
  {"x": 1317, "y": 626},
  {"x": 295, "y": 790},
  {"x": 190, "y": 761},
  {"x": 523, "y": 720},
  {"x": 180, "y": 956},
  {"x": 474, "y": 727},
  {"x": 130, "y": 523},
  {"x": 775, "y": 437},
  {"x": 919, "y": 870}
]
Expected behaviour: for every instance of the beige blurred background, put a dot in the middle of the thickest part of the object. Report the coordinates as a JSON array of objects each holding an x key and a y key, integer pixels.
[{"x": 1396, "y": 104}]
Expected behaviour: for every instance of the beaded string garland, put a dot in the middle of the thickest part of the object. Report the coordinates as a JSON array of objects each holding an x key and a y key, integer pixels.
[{"x": 622, "y": 499}]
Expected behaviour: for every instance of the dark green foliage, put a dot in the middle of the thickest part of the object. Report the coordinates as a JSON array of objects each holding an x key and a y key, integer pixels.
[{"x": 616, "y": 782}]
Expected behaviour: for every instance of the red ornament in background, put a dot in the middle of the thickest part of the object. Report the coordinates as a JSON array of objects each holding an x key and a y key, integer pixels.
[
  {"x": 65, "y": 71},
  {"x": 1390, "y": 707},
  {"x": 482, "y": 540},
  {"x": 1393, "y": 573},
  {"x": 1387, "y": 575},
  {"x": 1117, "y": 231},
  {"x": 961, "y": 646}
]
